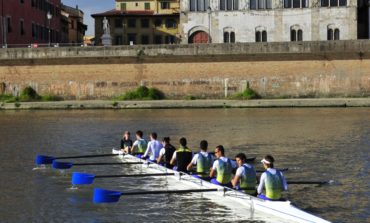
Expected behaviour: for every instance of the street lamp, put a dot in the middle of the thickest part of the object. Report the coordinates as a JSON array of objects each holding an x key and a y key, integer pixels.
[
  {"x": 49, "y": 16},
  {"x": 209, "y": 11}
]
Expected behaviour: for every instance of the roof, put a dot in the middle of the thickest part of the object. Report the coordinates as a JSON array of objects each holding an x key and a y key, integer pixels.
[{"x": 115, "y": 12}]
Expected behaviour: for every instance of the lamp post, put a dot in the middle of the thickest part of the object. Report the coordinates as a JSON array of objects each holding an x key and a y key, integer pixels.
[
  {"x": 209, "y": 11},
  {"x": 49, "y": 16}
]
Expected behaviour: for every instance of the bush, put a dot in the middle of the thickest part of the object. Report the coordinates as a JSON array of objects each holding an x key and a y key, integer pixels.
[
  {"x": 51, "y": 98},
  {"x": 247, "y": 94},
  {"x": 190, "y": 97},
  {"x": 142, "y": 93},
  {"x": 29, "y": 94}
]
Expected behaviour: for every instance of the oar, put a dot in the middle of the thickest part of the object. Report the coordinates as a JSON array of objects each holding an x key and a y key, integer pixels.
[
  {"x": 86, "y": 178},
  {"x": 308, "y": 182},
  {"x": 109, "y": 196},
  {"x": 68, "y": 165},
  {"x": 42, "y": 159},
  {"x": 282, "y": 170}
]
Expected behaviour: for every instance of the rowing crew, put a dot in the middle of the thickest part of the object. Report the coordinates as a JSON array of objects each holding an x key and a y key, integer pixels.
[{"x": 218, "y": 170}]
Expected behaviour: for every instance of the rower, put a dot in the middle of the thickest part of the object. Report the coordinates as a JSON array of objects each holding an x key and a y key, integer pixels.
[
  {"x": 182, "y": 156},
  {"x": 245, "y": 177},
  {"x": 139, "y": 145},
  {"x": 223, "y": 166},
  {"x": 126, "y": 142},
  {"x": 203, "y": 160},
  {"x": 272, "y": 180},
  {"x": 154, "y": 146},
  {"x": 166, "y": 153}
]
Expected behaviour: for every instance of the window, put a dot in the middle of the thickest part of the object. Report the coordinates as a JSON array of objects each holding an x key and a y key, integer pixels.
[
  {"x": 226, "y": 37},
  {"x": 118, "y": 23},
  {"x": 333, "y": 34},
  {"x": 199, "y": 5},
  {"x": 171, "y": 23},
  {"x": 131, "y": 37},
  {"x": 136, "y": 4},
  {"x": 295, "y": 3},
  {"x": 333, "y": 3},
  {"x": 118, "y": 40},
  {"x": 232, "y": 37},
  {"x": 158, "y": 39},
  {"x": 229, "y": 37},
  {"x": 33, "y": 30},
  {"x": 229, "y": 5},
  {"x": 158, "y": 23},
  {"x": 33, "y": 3},
  {"x": 144, "y": 23},
  {"x": 21, "y": 1},
  {"x": 170, "y": 39},
  {"x": 9, "y": 24},
  {"x": 131, "y": 23},
  {"x": 260, "y": 4},
  {"x": 296, "y": 34},
  {"x": 123, "y": 6},
  {"x": 261, "y": 36},
  {"x": 144, "y": 39},
  {"x": 21, "y": 26},
  {"x": 147, "y": 6},
  {"x": 165, "y": 5}
]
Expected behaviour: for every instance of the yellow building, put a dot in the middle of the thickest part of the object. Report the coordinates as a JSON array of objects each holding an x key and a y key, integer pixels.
[{"x": 140, "y": 22}]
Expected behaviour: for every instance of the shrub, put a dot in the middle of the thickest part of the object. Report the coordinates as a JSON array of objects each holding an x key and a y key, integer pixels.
[
  {"x": 247, "y": 94},
  {"x": 29, "y": 94},
  {"x": 190, "y": 97},
  {"x": 142, "y": 93}
]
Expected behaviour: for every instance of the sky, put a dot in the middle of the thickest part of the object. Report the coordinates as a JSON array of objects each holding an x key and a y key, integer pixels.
[{"x": 90, "y": 7}]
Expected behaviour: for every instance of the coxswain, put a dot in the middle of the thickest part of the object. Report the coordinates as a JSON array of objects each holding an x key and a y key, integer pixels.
[
  {"x": 126, "y": 142},
  {"x": 272, "y": 180},
  {"x": 139, "y": 145},
  {"x": 166, "y": 153},
  {"x": 182, "y": 156},
  {"x": 154, "y": 146},
  {"x": 222, "y": 168},
  {"x": 203, "y": 160},
  {"x": 245, "y": 178}
]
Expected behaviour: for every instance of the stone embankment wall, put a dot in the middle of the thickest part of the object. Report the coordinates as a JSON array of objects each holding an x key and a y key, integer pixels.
[{"x": 274, "y": 70}]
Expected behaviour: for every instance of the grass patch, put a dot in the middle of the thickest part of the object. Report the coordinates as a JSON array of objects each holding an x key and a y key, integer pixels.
[
  {"x": 247, "y": 94},
  {"x": 142, "y": 93},
  {"x": 29, "y": 94}
]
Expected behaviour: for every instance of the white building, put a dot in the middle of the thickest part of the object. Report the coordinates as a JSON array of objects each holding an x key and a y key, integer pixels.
[{"x": 267, "y": 20}]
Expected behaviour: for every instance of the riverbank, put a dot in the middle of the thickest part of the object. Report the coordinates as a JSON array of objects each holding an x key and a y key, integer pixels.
[{"x": 164, "y": 104}]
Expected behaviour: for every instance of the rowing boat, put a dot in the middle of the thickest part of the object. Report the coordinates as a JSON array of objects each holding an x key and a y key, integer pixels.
[{"x": 240, "y": 203}]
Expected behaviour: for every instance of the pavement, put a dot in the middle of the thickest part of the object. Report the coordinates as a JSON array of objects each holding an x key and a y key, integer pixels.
[{"x": 263, "y": 103}]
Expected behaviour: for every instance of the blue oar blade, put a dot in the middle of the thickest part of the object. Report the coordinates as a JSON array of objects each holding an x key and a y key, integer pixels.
[
  {"x": 41, "y": 159},
  {"x": 61, "y": 165},
  {"x": 82, "y": 178},
  {"x": 106, "y": 196}
]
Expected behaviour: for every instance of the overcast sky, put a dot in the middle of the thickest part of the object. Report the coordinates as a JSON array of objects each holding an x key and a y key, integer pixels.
[{"x": 90, "y": 7}]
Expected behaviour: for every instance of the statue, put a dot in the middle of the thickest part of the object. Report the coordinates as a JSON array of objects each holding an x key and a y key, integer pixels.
[
  {"x": 106, "y": 37},
  {"x": 106, "y": 28}
]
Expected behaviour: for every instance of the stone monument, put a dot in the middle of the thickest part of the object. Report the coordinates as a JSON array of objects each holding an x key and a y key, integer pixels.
[{"x": 106, "y": 38}]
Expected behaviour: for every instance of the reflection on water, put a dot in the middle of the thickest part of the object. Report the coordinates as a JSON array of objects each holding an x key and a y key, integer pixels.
[{"x": 314, "y": 143}]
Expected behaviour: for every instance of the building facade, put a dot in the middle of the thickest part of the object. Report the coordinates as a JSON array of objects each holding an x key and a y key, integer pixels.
[
  {"x": 74, "y": 25},
  {"x": 228, "y": 21},
  {"x": 25, "y": 22},
  {"x": 140, "y": 22}
]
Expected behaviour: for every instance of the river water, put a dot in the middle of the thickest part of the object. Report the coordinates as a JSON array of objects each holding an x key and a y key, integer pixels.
[{"x": 314, "y": 143}]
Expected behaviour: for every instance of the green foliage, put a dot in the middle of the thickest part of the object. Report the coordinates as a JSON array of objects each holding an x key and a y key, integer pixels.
[
  {"x": 190, "y": 97},
  {"x": 51, "y": 98},
  {"x": 247, "y": 94},
  {"x": 142, "y": 93},
  {"x": 115, "y": 104},
  {"x": 17, "y": 104},
  {"x": 29, "y": 94},
  {"x": 6, "y": 97}
]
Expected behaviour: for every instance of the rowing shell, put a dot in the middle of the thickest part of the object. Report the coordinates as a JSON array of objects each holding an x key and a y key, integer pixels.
[{"x": 240, "y": 203}]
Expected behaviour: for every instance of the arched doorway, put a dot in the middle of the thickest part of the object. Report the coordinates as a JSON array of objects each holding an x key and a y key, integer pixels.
[{"x": 199, "y": 37}]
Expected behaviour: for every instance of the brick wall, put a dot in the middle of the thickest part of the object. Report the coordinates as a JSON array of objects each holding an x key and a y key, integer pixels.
[{"x": 307, "y": 69}]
